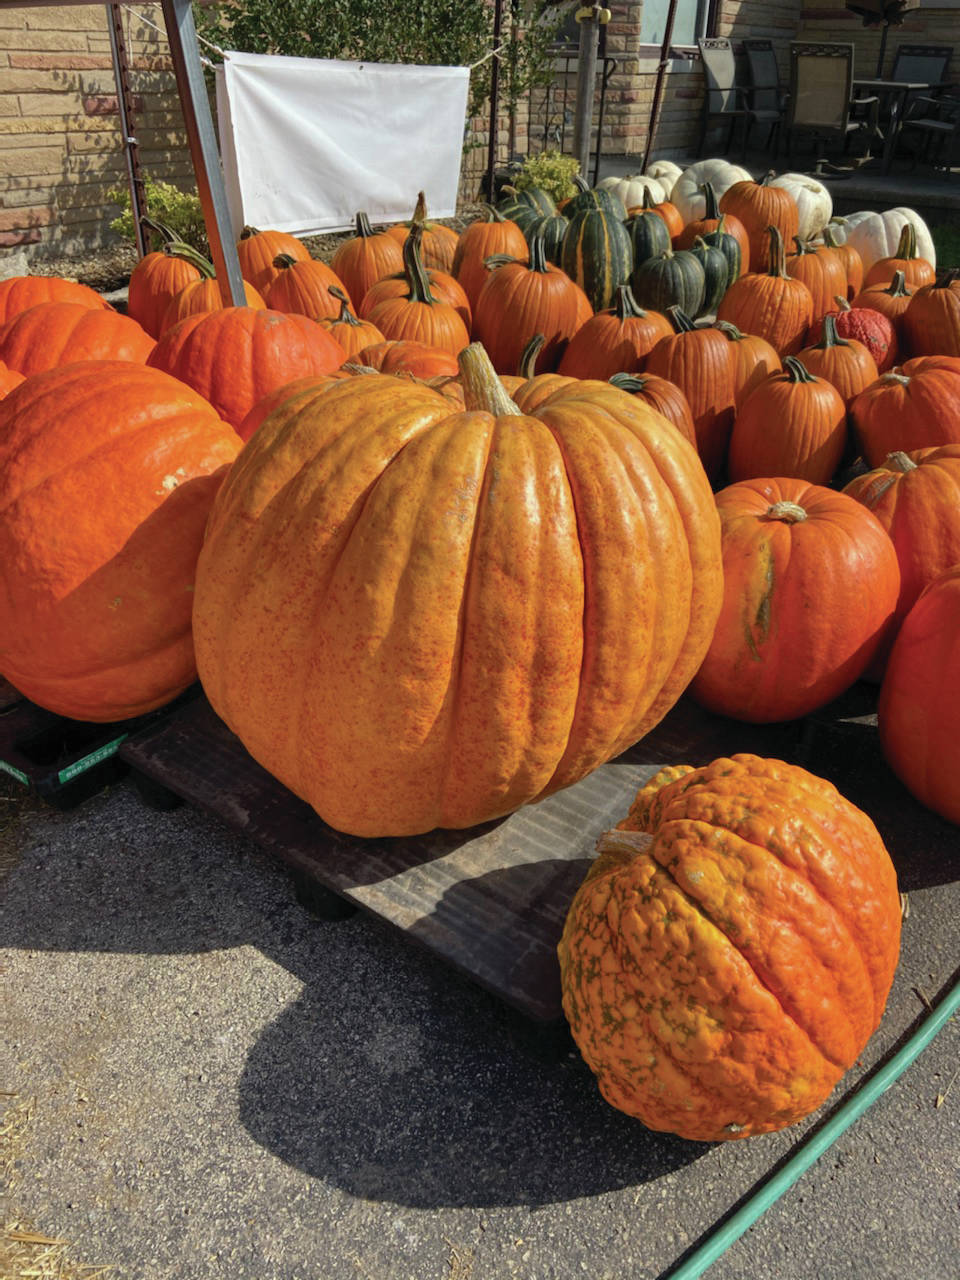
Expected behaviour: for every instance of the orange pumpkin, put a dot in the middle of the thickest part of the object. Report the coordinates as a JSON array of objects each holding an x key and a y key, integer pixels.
[
  {"x": 20, "y": 293},
  {"x": 772, "y": 305},
  {"x": 914, "y": 406},
  {"x": 101, "y": 518},
  {"x": 616, "y": 340},
  {"x": 792, "y": 424},
  {"x": 760, "y": 206},
  {"x": 754, "y": 359},
  {"x": 875, "y": 330},
  {"x": 259, "y": 250},
  {"x": 916, "y": 497},
  {"x": 851, "y": 261},
  {"x": 458, "y": 667},
  {"x": 439, "y": 243},
  {"x": 58, "y": 333},
  {"x": 488, "y": 236},
  {"x": 233, "y": 357},
  {"x": 917, "y": 271},
  {"x": 710, "y": 222},
  {"x": 931, "y": 322},
  {"x": 414, "y": 311},
  {"x": 663, "y": 396},
  {"x": 844, "y": 362},
  {"x": 364, "y": 259},
  {"x": 444, "y": 287},
  {"x": 732, "y": 948},
  {"x": 200, "y": 297},
  {"x": 918, "y": 714},
  {"x": 409, "y": 356},
  {"x": 890, "y": 300},
  {"x": 822, "y": 271},
  {"x": 352, "y": 334},
  {"x": 305, "y": 288},
  {"x": 157, "y": 279},
  {"x": 810, "y": 583}
]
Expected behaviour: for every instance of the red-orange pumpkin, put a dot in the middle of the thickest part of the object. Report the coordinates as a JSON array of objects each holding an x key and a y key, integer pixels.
[
  {"x": 458, "y": 666},
  {"x": 914, "y": 406},
  {"x": 57, "y": 333},
  {"x": 891, "y": 300},
  {"x": 810, "y": 583},
  {"x": 732, "y": 948},
  {"x": 865, "y": 324},
  {"x": 20, "y": 293},
  {"x": 107, "y": 472},
  {"x": 792, "y": 424},
  {"x": 235, "y": 356},
  {"x": 918, "y": 714},
  {"x": 617, "y": 340}
]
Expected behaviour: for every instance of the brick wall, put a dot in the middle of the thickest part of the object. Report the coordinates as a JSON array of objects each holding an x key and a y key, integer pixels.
[
  {"x": 920, "y": 26},
  {"x": 60, "y": 144}
]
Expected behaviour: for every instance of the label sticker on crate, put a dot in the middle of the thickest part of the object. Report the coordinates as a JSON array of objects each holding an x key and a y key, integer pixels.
[{"x": 102, "y": 753}]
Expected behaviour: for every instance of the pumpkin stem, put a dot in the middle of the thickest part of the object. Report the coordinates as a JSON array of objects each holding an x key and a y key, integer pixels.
[
  {"x": 776, "y": 262},
  {"x": 632, "y": 382},
  {"x": 493, "y": 213},
  {"x": 894, "y": 375},
  {"x": 538, "y": 252},
  {"x": 710, "y": 199},
  {"x": 795, "y": 371},
  {"x": 680, "y": 320},
  {"x": 420, "y": 211},
  {"x": 828, "y": 237},
  {"x": 729, "y": 331},
  {"x": 527, "y": 364},
  {"x": 482, "y": 389},
  {"x": 580, "y": 183},
  {"x": 947, "y": 279},
  {"x": 624, "y": 846},
  {"x": 899, "y": 461},
  {"x": 842, "y": 303},
  {"x": 346, "y": 316},
  {"x": 414, "y": 269},
  {"x": 166, "y": 234},
  {"x": 788, "y": 512},
  {"x": 626, "y": 305},
  {"x": 907, "y": 244},
  {"x": 648, "y": 200},
  {"x": 830, "y": 336},
  {"x": 185, "y": 251},
  {"x": 802, "y": 247},
  {"x": 284, "y": 261},
  {"x": 898, "y": 286},
  {"x": 248, "y": 232}
]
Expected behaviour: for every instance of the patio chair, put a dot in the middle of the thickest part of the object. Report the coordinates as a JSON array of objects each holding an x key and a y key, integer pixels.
[
  {"x": 924, "y": 63},
  {"x": 932, "y": 125},
  {"x": 821, "y": 78},
  {"x": 723, "y": 98},
  {"x": 766, "y": 94}
]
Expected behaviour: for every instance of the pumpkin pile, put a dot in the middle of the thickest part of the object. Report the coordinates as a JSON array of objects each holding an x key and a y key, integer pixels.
[{"x": 449, "y": 522}]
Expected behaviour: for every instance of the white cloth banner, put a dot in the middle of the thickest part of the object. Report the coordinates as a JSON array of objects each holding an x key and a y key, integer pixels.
[{"x": 307, "y": 143}]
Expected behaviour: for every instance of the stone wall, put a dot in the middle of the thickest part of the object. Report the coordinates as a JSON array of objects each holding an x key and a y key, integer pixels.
[{"x": 60, "y": 144}]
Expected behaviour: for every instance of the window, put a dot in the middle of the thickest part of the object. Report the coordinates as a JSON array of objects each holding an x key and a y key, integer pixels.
[{"x": 692, "y": 20}]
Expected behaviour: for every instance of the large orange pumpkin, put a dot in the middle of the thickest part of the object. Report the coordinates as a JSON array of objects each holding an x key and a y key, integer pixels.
[
  {"x": 810, "y": 583},
  {"x": 56, "y": 333},
  {"x": 914, "y": 406},
  {"x": 477, "y": 608},
  {"x": 732, "y": 948},
  {"x": 488, "y": 236},
  {"x": 9, "y": 378},
  {"x": 258, "y": 251},
  {"x": 20, "y": 293},
  {"x": 759, "y": 206},
  {"x": 366, "y": 258},
  {"x": 771, "y": 304},
  {"x": 844, "y": 362},
  {"x": 305, "y": 288},
  {"x": 617, "y": 340},
  {"x": 918, "y": 715},
  {"x": 235, "y": 356},
  {"x": 157, "y": 279},
  {"x": 107, "y": 472}
]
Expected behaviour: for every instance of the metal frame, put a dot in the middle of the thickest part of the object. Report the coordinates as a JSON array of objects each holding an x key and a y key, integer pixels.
[{"x": 201, "y": 137}]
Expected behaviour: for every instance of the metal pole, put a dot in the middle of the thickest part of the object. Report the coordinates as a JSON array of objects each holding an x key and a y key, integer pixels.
[
  {"x": 658, "y": 87},
  {"x": 883, "y": 49},
  {"x": 125, "y": 108},
  {"x": 202, "y": 139},
  {"x": 586, "y": 84},
  {"x": 494, "y": 96}
]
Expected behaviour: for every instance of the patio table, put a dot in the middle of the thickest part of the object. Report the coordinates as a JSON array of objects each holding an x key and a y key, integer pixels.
[{"x": 897, "y": 91}]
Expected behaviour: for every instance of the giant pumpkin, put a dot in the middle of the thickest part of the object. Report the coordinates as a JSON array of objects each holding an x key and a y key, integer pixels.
[
  {"x": 107, "y": 472},
  {"x": 416, "y": 617},
  {"x": 731, "y": 950}
]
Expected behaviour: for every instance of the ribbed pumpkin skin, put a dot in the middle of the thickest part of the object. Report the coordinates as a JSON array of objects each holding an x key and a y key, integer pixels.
[
  {"x": 366, "y": 258},
  {"x": 57, "y": 333},
  {"x": 701, "y": 363},
  {"x": 915, "y": 406},
  {"x": 613, "y": 341},
  {"x": 597, "y": 253},
  {"x": 916, "y": 497},
  {"x": 822, "y": 271},
  {"x": 235, "y": 356},
  {"x": 889, "y": 300},
  {"x": 154, "y": 282},
  {"x": 258, "y": 250},
  {"x": 352, "y": 334},
  {"x": 770, "y": 307},
  {"x": 458, "y": 667},
  {"x": 20, "y": 293},
  {"x": 437, "y": 324},
  {"x": 805, "y": 604},
  {"x": 518, "y": 302},
  {"x": 760, "y": 206},
  {"x": 789, "y": 427},
  {"x": 9, "y": 378},
  {"x": 667, "y": 399},
  {"x": 304, "y": 289},
  {"x": 443, "y": 286},
  {"x": 918, "y": 714},
  {"x": 875, "y": 330},
  {"x": 101, "y": 519},
  {"x": 754, "y": 359},
  {"x": 845, "y": 363},
  {"x": 485, "y": 240},
  {"x": 931, "y": 323},
  {"x": 721, "y": 971},
  {"x": 416, "y": 358},
  {"x": 199, "y": 298}
]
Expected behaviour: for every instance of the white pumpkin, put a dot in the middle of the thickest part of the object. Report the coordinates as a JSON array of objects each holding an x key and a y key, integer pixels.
[
  {"x": 876, "y": 235},
  {"x": 666, "y": 173},
  {"x": 814, "y": 205},
  {"x": 631, "y": 186},
  {"x": 720, "y": 173}
]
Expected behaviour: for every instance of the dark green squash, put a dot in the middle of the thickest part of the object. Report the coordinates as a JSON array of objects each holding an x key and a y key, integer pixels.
[
  {"x": 729, "y": 246},
  {"x": 649, "y": 235},
  {"x": 670, "y": 280},
  {"x": 525, "y": 207},
  {"x": 588, "y": 197},
  {"x": 596, "y": 250},
  {"x": 716, "y": 272},
  {"x": 553, "y": 227}
]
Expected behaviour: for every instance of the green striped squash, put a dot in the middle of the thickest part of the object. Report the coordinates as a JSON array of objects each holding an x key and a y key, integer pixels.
[
  {"x": 553, "y": 227},
  {"x": 588, "y": 197},
  {"x": 716, "y": 272},
  {"x": 729, "y": 246},
  {"x": 649, "y": 235},
  {"x": 525, "y": 207},
  {"x": 671, "y": 280},
  {"x": 596, "y": 250}
]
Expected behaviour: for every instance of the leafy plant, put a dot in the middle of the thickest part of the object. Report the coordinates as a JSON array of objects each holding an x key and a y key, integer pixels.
[
  {"x": 181, "y": 211},
  {"x": 551, "y": 171}
]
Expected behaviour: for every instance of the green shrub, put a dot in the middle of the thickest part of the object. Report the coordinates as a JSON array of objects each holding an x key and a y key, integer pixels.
[
  {"x": 552, "y": 171},
  {"x": 181, "y": 211}
]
